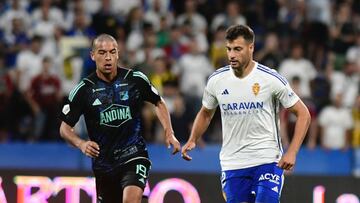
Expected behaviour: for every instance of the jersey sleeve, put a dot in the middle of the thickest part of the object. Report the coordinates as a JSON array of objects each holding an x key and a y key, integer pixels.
[
  {"x": 284, "y": 93},
  {"x": 73, "y": 107},
  {"x": 209, "y": 100},
  {"x": 147, "y": 90}
]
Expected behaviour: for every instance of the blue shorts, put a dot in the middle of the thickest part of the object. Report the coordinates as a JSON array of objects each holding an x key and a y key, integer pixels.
[{"x": 261, "y": 183}]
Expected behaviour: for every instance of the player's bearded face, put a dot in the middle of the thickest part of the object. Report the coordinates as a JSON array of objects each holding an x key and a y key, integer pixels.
[
  {"x": 239, "y": 53},
  {"x": 106, "y": 56}
]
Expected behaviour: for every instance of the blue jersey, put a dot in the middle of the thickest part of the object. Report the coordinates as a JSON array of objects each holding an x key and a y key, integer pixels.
[{"x": 112, "y": 113}]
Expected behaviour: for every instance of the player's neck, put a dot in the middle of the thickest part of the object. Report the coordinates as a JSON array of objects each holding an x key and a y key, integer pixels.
[
  {"x": 106, "y": 77},
  {"x": 242, "y": 73}
]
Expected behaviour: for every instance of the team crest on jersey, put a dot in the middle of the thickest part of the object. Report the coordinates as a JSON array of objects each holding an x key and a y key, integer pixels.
[
  {"x": 124, "y": 95},
  {"x": 256, "y": 89}
]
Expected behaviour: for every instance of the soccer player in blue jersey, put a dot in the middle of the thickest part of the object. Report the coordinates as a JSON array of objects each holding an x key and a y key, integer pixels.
[
  {"x": 111, "y": 100},
  {"x": 248, "y": 95}
]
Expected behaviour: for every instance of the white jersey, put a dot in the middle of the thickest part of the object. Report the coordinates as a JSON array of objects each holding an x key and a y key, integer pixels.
[{"x": 249, "y": 114}]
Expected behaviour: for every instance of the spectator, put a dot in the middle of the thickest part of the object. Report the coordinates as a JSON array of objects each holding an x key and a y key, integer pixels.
[
  {"x": 46, "y": 18},
  {"x": 122, "y": 8},
  {"x": 136, "y": 39},
  {"x": 162, "y": 7},
  {"x": 28, "y": 63},
  {"x": 297, "y": 65},
  {"x": 44, "y": 96},
  {"x": 218, "y": 49},
  {"x": 270, "y": 55},
  {"x": 135, "y": 21},
  {"x": 90, "y": 6},
  {"x": 161, "y": 73},
  {"x": 148, "y": 52},
  {"x": 319, "y": 11},
  {"x": 16, "y": 10},
  {"x": 158, "y": 11},
  {"x": 177, "y": 47},
  {"x": 104, "y": 21},
  {"x": 292, "y": 14},
  {"x": 188, "y": 32},
  {"x": 81, "y": 25},
  {"x": 7, "y": 116},
  {"x": 15, "y": 41},
  {"x": 193, "y": 69},
  {"x": 356, "y": 118},
  {"x": 353, "y": 53},
  {"x": 320, "y": 91},
  {"x": 342, "y": 29},
  {"x": 163, "y": 34},
  {"x": 231, "y": 17},
  {"x": 335, "y": 123},
  {"x": 342, "y": 33},
  {"x": 346, "y": 82},
  {"x": 196, "y": 20}
]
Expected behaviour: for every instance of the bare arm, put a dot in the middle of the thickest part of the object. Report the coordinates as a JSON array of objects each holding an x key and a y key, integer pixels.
[
  {"x": 302, "y": 124},
  {"x": 284, "y": 128},
  {"x": 201, "y": 123},
  {"x": 164, "y": 117},
  {"x": 89, "y": 148}
]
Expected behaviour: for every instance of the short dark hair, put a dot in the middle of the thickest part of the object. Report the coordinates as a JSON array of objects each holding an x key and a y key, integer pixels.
[
  {"x": 47, "y": 59},
  {"x": 235, "y": 31},
  {"x": 102, "y": 37},
  {"x": 36, "y": 38}
]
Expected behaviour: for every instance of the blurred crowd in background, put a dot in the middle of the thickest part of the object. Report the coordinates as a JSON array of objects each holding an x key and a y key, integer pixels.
[{"x": 45, "y": 45}]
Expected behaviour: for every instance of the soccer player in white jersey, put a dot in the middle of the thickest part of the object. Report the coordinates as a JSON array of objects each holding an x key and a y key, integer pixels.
[{"x": 249, "y": 95}]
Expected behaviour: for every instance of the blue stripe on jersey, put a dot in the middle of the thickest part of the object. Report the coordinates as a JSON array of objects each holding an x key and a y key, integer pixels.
[
  {"x": 220, "y": 70},
  {"x": 273, "y": 73},
  {"x": 276, "y": 119}
]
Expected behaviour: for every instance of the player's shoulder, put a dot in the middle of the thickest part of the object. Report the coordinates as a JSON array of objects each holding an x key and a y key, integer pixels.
[
  {"x": 138, "y": 75},
  {"x": 84, "y": 84},
  {"x": 90, "y": 79},
  {"x": 270, "y": 74},
  {"x": 219, "y": 73},
  {"x": 77, "y": 89}
]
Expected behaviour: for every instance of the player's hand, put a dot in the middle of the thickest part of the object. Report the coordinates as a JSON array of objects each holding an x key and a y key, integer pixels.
[
  {"x": 171, "y": 140},
  {"x": 187, "y": 147},
  {"x": 287, "y": 162},
  {"x": 90, "y": 149}
]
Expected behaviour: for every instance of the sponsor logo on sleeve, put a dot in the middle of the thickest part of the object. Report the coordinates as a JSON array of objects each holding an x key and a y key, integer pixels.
[{"x": 66, "y": 109}]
